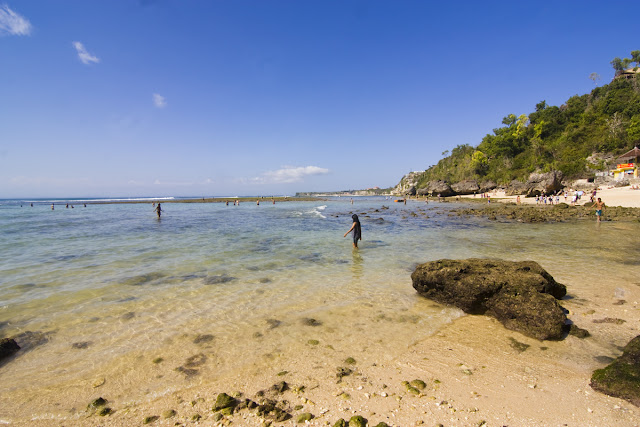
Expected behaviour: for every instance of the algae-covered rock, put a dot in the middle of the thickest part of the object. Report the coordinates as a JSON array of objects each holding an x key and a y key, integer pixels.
[
  {"x": 622, "y": 377},
  {"x": 103, "y": 412},
  {"x": 578, "y": 332},
  {"x": 150, "y": 419},
  {"x": 224, "y": 401},
  {"x": 521, "y": 295},
  {"x": 169, "y": 413},
  {"x": 340, "y": 423},
  {"x": 382, "y": 424},
  {"x": 304, "y": 417},
  {"x": 358, "y": 421},
  {"x": 97, "y": 403},
  {"x": 419, "y": 384}
]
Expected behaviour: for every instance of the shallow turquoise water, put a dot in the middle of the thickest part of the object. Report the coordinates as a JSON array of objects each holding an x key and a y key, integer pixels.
[{"x": 99, "y": 291}]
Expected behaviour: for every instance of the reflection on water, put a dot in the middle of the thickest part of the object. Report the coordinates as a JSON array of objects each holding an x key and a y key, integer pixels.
[{"x": 99, "y": 292}]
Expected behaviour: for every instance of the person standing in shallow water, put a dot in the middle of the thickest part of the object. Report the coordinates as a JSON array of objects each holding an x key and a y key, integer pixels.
[
  {"x": 357, "y": 230},
  {"x": 158, "y": 209}
]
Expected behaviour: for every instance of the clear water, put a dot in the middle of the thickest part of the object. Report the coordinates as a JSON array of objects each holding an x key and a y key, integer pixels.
[{"x": 94, "y": 294}]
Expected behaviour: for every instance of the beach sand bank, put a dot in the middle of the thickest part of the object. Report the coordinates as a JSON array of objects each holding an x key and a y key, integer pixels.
[{"x": 627, "y": 197}]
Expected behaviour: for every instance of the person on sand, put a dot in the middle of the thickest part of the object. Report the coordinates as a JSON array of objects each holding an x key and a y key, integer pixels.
[
  {"x": 357, "y": 230},
  {"x": 600, "y": 206},
  {"x": 158, "y": 209}
]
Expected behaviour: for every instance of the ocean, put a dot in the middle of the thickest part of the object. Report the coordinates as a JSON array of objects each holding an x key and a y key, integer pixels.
[{"x": 107, "y": 298}]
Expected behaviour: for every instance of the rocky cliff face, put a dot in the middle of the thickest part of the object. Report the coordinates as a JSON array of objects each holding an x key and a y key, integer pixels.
[{"x": 407, "y": 185}]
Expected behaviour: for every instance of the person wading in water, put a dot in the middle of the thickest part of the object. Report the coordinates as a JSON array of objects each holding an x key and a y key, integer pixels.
[{"x": 357, "y": 230}]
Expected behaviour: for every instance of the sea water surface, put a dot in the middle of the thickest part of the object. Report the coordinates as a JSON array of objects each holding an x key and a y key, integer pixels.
[{"x": 95, "y": 295}]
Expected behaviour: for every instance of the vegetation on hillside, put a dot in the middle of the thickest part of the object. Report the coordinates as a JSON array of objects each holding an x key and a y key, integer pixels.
[{"x": 607, "y": 120}]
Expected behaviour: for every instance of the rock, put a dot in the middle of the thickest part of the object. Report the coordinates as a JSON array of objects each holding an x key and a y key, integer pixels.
[
  {"x": 97, "y": 403},
  {"x": 304, "y": 417},
  {"x": 468, "y": 186},
  {"x": 419, "y": 384},
  {"x": 544, "y": 183},
  {"x": 407, "y": 184},
  {"x": 150, "y": 419},
  {"x": 521, "y": 295},
  {"x": 622, "y": 377},
  {"x": 357, "y": 421},
  {"x": 8, "y": 347},
  {"x": 224, "y": 401},
  {"x": 578, "y": 332},
  {"x": 515, "y": 188},
  {"x": 487, "y": 186},
  {"x": 441, "y": 188},
  {"x": 169, "y": 413},
  {"x": 340, "y": 423},
  {"x": 382, "y": 424}
]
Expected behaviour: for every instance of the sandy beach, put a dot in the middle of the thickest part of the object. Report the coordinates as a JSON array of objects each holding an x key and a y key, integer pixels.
[{"x": 627, "y": 197}]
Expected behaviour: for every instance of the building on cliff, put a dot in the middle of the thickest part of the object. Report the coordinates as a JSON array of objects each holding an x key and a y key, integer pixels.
[{"x": 628, "y": 166}]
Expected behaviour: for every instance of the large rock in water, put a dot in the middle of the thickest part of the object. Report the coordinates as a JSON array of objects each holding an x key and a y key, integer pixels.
[
  {"x": 622, "y": 377},
  {"x": 521, "y": 295}
]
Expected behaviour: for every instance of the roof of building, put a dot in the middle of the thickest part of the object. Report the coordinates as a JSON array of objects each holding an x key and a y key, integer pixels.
[{"x": 631, "y": 154}]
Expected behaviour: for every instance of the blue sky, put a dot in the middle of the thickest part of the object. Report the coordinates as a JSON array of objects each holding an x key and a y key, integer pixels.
[{"x": 219, "y": 97}]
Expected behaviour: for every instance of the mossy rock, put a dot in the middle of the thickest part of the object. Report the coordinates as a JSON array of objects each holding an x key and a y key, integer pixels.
[
  {"x": 521, "y": 295},
  {"x": 578, "y": 332},
  {"x": 340, "y": 423},
  {"x": 358, "y": 421},
  {"x": 622, "y": 377},
  {"x": 224, "y": 401},
  {"x": 169, "y": 413},
  {"x": 419, "y": 384},
  {"x": 350, "y": 361},
  {"x": 150, "y": 419},
  {"x": 97, "y": 403},
  {"x": 307, "y": 416},
  {"x": 382, "y": 424},
  {"x": 103, "y": 412},
  {"x": 226, "y": 411}
]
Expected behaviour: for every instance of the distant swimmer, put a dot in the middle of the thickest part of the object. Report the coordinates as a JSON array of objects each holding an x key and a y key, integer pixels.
[
  {"x": 257, "y": 202},
  {"x": 52, "y": 206},
  {"x": 158, "y": 209},
  {"x": 357, "y": 230},
  {"x": 227, "y": 203}
]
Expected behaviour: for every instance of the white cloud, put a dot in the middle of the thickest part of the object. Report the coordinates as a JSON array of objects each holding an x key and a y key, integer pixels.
[
  {"x": 85, "y": 56},
  {"x": 159, "y": 100},
  {"x": 289, "y": 174},
  {"x": 13, "y": 24}
]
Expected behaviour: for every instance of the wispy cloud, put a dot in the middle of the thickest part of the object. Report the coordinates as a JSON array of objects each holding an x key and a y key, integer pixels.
[
  {"x": 85, "y": 56},
  {"x": 289, "y": 174},
  {"x": 159, "y": 100},
  {"x": 13, "y": 24}
]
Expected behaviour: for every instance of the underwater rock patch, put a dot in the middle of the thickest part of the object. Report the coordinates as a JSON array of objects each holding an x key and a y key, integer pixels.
[
  {"x": 8, "y": 347},
  {"x": 216, "y": 280},
  {"x": 521, "y": 295},
  {"x": 622, "y": 377}
]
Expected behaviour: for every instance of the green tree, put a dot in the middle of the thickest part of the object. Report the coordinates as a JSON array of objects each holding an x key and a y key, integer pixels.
[
  {"x": 635, "y": 57},
  {"x": 633, "y": 129},
  {"x": 479, "y": 163},
  {"x": 617, "y": 65},
  {"x": 595, "y": 77}
]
